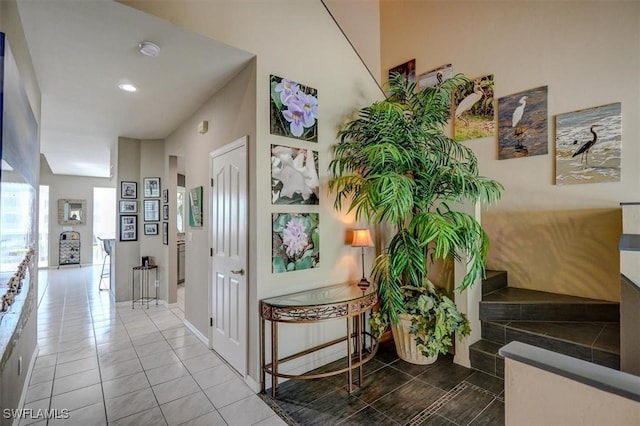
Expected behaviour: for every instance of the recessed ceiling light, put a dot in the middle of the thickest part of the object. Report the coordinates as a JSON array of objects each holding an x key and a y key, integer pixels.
[
  {"x": 127, "y": 87},
  {"x": 148, "y": 48}
]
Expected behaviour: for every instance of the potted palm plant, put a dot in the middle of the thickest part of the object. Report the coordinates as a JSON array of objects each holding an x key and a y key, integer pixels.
[{"x": 395, "y": 165}]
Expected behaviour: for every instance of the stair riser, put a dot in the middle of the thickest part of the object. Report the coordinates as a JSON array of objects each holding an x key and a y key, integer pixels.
[
  {"x": 492, "y": 364},
  {"x": 495, "y": 281},
  {"x": 501, "y": 311},
  {"x": 501, "y": 334}
]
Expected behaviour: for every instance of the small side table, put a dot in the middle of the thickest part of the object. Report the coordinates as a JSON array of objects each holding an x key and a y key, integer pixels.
[{"x": 144, "y": 284}]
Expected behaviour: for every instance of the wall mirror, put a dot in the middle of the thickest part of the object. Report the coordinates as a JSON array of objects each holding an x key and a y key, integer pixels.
[{"x": 71, "y": 212}]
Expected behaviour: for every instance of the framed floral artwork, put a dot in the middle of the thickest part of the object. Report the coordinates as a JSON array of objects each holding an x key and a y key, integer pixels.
[
  {"x": 295, "y": 241},
  {"x": 294, "y": 175},
  {"x": 294, "y": 109}
]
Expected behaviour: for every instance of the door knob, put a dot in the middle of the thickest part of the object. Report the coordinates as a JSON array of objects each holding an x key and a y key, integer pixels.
[{"x": 239, "y": 271}]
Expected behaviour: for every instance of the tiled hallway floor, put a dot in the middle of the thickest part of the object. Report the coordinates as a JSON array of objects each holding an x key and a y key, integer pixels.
[
  {"x": 123, "y": 366},
  {"x": 395, "y": 392}
]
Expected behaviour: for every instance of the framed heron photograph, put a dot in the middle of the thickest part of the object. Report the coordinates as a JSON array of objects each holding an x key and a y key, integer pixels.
[
  {"x": 165, "y": 196},
  {"x": 588, "y": 145}
]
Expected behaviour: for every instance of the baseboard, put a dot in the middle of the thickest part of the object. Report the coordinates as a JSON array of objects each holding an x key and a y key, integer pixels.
[
  {"x": 27, "y": 380},
  {"x": 196, "y": 332},
  {"x": 255, "y": 386}
]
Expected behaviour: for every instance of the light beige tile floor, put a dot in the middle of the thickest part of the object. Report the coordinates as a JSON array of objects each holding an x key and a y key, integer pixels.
[{"x": 109, "y": 364}]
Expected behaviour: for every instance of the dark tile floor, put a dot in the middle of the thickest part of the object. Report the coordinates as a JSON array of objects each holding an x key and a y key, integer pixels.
[{"x": 394, "y": 392}]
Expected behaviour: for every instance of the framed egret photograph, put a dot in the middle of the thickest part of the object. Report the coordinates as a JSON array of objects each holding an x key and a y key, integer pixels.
[
  {"x": 522, "y": 124},
  {"x": 473, "y": 113},
  {"x": 588, "y": 145}
]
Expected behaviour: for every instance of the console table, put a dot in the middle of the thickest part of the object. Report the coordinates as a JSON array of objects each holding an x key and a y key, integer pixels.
[{"x": 342, "y": 301}]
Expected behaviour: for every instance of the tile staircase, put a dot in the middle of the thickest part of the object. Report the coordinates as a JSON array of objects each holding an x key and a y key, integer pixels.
[{"x": 588, "y": 329}]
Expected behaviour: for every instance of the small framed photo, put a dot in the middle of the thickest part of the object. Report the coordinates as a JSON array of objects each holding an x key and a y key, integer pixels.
[
  {"x": 151, "y": 187},
  {"x": 150, "y": 229},
  {"x": 128, "y": 189},
  {"x": 128, "y": 206},
  {"x": 165, "y": 233},
  {"x": 165, "y": 196},
  {"x": 151, "y": 210},
  {"x": 165, "y": 212},
  {"x": 128, "y": 227}
]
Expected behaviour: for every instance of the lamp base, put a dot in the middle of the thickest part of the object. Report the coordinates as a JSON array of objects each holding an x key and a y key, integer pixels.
[{"x": 363, "y": 284}]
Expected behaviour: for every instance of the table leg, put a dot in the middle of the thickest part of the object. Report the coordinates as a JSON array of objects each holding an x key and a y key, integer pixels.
[
  {"x": 349, "y": 355},
  {"x": 360, "y": 343},
  {"x": 263, "y": 376},
  {"x": 146, "y": 275},
  {"x": 274, "y": 357},
  {"x": 133, "y": 289},
  {"x": 155, "y": 282}
]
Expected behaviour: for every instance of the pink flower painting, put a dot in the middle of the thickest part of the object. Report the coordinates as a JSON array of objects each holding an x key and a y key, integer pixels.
[{"x": 295, "y": 241}]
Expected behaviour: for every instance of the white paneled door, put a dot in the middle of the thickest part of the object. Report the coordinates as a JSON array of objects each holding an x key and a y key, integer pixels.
[{"x": 228, "y": 335}]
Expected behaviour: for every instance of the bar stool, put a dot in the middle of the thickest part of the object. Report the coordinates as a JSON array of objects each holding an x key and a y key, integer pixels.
[{"x": 107, "y": 244}]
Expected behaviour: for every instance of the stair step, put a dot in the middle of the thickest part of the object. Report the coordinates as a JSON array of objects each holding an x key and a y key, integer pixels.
[
  {"x": 519, "y": 304},
  {"x": 591, "y": 341},
  {"x": 494, "y": 280}
]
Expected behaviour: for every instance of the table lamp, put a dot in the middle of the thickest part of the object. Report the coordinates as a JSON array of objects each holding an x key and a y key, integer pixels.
[{"x": 362, "y": 239}]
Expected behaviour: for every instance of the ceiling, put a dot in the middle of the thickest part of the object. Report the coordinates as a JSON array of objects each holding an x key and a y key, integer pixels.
[{"x": 82, "y": 50}]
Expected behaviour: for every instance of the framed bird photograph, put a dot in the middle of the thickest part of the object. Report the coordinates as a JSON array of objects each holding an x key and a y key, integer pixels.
[
  {"x": 407, "y": 70},
  {"x": 522, "y": 124},
  {"x": 474, "y": 117},
  {"x": 588, "y": 145},
  {"x": 435, "y": 77}
]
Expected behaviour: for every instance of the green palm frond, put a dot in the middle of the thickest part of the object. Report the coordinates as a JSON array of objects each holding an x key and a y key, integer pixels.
[{"x": 395, "y": 164}]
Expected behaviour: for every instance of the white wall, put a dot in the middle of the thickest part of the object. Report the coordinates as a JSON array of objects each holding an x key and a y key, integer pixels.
[
  {"x": 314, "y": 52},
  {"x": 585, "y": 52},
  {"x": 152, "y": 165},
  {"x": 360, "y": 22},
  {"x": 126, "y": 254},
  {"x": 71, "y": 187}
]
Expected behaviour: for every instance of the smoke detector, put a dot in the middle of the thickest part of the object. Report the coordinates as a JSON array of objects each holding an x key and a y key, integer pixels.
[{"x": 148, "y": 48}]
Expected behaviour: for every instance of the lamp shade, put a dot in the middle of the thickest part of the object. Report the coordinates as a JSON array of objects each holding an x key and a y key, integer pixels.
[{"x": 361, "y": 238}]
